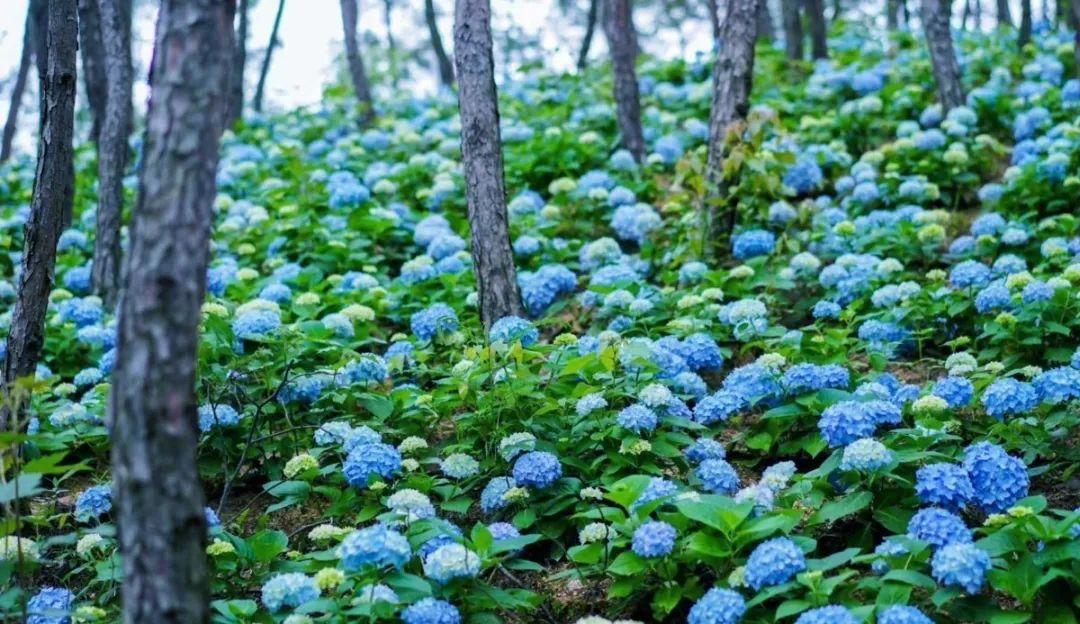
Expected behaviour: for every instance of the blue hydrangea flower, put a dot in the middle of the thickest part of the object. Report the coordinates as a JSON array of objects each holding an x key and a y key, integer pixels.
[
  {"x": 503, "y": 531},
  {"x": 537, "y": 469},
  {"x": 491, "y": 498},
  {"x": 944, "y": 485},
  {"x": 1009, "y": 397},
  {"x": 884, "y": 550},
  {"x": 804, "y": 176},
  {"x": 719, "y": 406},
  {"x": 368, "y": 460},
  {"x": 754, "y": 382},
  {"x": 1058, "y": 385},
  {"x": 637, "y": 418},
  {"x": 212, "y": 519},
  {"x": 999, "y": 480},
  {"x": 459, "y": 466},
  {"x": 700, "y": 352},
  {"x": 653, "y": 539},
  {"x": 431, "y": 611},
  {"x": 970, "y": 273},
  {"x": 865, "y": 455},
  {"x": 656, "y": 489},
  {"x": 451, "y": 561},
  {"x": 213, "y": 416},
  {"x": 938, "y": 527},
  {"x": 94, "y": 502},
  {"x": 377, "y": 546},
  {"x": 717, "y": 476},
  {"x": 717, "y": 606},
  {"x": 51, "y": 605},
  {"x": 290, "y": 589},
  {"x": 995, "y": 296},
  {"x": 704, "y": 448},
  {"x": 844, "y": 422},
  {"x": 832, "y": 614},
  {"x": 902, "y": 614},
  {"x": 826, "y": 309},
  {"x": 805, "y": 377},
  {"x": 369, "y": 368},
  {"x": 961, "y": 565},
  {"x": 957, "y": 391},
  {"x": 433, "y": 320},
  {"x": 753, "y": 243},
  {"x": 773, "y": 562},
  {"x": 512, "y": 328},
  {"x": 303, "y": 389}
]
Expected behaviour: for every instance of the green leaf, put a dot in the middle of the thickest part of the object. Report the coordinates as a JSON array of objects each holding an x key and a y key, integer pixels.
[
  {"x": 833, "y": 561},
  {"x": 910, "y": 577},
  {"x": 25, "y": 485},
  {"x": 627, "y": 564},
  {"x": 587, "y": 554},
  {"x": 481, "y": 538},
  {"x": 789, "y": 608},
  {"x": 834, "y": 510},
  {"x": 666, "y": 599},
  {"x": 267, "y": 544},
  {"x": 718, "y": 512}
]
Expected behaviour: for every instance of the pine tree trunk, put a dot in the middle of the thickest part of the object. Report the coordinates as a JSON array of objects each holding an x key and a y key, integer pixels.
[
  {"x": 18, "y": 90},
  {"x": 819, "y": 43},
  {"x": 239, "y": 64},
  {"x": 793, "y": 35},
  {"x": 892, "y": 14},
  {"x": 446, "y": 68},
  {"x": 1025, "y": 23},
  {"x": 590, "y": 30},
  {"x": 733, "y": 74},
  {"x": 54, "y": 190},
  {"x": 1003, "y": 14},
  {"x": 113, "y": 147},
  {"x": 264, "y": 71},
  {"x": 349, "y": 17},
  {"x": 935, "y": 17},
  {"x": 619, "y": 29},
  {"x": 154, "y": 426},
  {"x": 481, "y": 159},
  {"x": 93, "y": 63},
  {"x": 714, "y": 20},
  {"x": 765, "y": 30}
]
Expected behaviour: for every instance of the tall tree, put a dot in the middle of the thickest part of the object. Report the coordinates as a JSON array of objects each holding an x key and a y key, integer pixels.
[
  {"x": 152, "y": 408},
  {"x": 18, "y": 89},
  {"x": 1076, "y": 33},
  {"x": 39, "y": 15},
  {"x": 935, "y": 18},
  {"x": 264, "y": 71},
  {"x": 590, "y": 30},
  {"x": 93, "y": 63},
  {"x": 239, "y": 64},
  {"x": 54, "y": 190},
  {"x": 622, "y": 41},
  {"x": 793, "y": 34},
  {"x": 481, "y": 159},
  {"x": 391, "y": 45},
  {"x": 892, "y": 14},
  {"x": 1003, "y": 14},
  {"x": 815, "y": 14},
  {"x": 764, "y": 28},
  {"x": 1025, "y": 23},
  {"x": 446, "y": 68},
  {"x": 733, "y": 73},
  {"x": 349, "y": 17},
  {"x": 113, "y": 147},
  {"x": 714, "y": 19}
]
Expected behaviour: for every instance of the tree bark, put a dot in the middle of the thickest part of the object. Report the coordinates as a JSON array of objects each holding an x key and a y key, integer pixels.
[
  {"x": 113, "y": 147},
  {"x": 391, "y": 45},
  {"x": 764, "y": 26},
  {"x": 154, "y": 426},
  {"x": 239, "y": 64},
  {"x": 481, "y": 159},
  {"x": 1025, "y": 23},
  {"x": 93, "y": 63},
  {"x": 446, "y": 68},
  {"x": 590, "y": 30},
  {"x": 619, "y": 29},
  {"x": 714, "y": 20},
  {"x": 819, "y": 44},
  {"x": 18, "y": 89},
  {"x": 733, "y": 73},
  {"x": 54, "y": 190},
  {"x": 349, "y": 17},
  {"x": 793, "y": 34},
  {"x": 264, "y": 71},
  {"x": 935, "y": 17},
  {"x": 1003, "y": 14},
  {"x": 892, "y": 14},
  {"x": 39, "y": 11}
]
